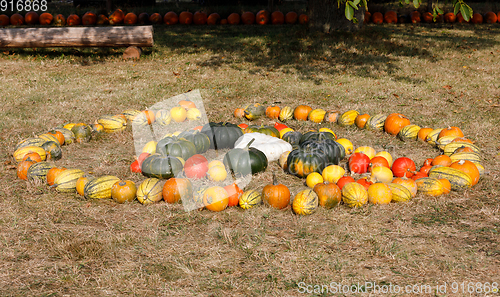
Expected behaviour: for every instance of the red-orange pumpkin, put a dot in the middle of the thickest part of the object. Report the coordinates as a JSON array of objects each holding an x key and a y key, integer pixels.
[
  {"x": 234, "y": 192},
  {"x": 89, "y": 19},
  {"x": 415, "y": 17},
  {"x": 377, "y": 18},
  {"x": 213, "y": 19},
  {"x": 277, "y": 18},
  {"x": 450, "y": 17},
  {"x": 233, "y": 19},
  {"x": 248, "y": 18},
  {"x": 22, "y": 169},
  {"x": 176, "y": 189},
  {"x": 116, "y": 17},
  {"x": 156, "y": 18},
  {"x": 31, "y": 18},
  {"x": 186, "y": 18},
  {"x": 391, "y": 17},
  {"x": 200, "y": 18},
  {"x": 291, "y": 17},
  {"x": 130, "y": 19},
  {"x": 303, "y": 19},
  {"x": 171, "y": 18},
  {"x": 73, "y": 20},
  {"x": 16, "y": 19},
  {"x": 5, "y": 20},
  {"x": 262, "y": 17},
  {"x": 395, "y": 122}
]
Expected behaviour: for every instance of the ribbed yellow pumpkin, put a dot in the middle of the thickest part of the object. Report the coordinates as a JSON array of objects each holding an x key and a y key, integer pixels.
[
  {"x": 286, "y": 114},
  {"x": 347, "y": 118},
  {"x": 305, "y": 202},
  {"x": 163, "y": 117},
  {"x": 38, "y": 172},
  {"x": 354, "y": 195},
  {"x": 316, "y": 115},
  {"x": 149, "y": 191},
  {"x": 99, "y": 188},
  {"x": 48, "y": 137},
  {"x": 459, "y": 180},
  {"x": 193, "y": 114},
  {"x": 441, "y": 142},
  {"x": 429, "y": 186},
  {"x": 379, "y": 193},
  {"x": 178, "y": 114},
  {"x": 381, "y": 174},
  {"x": 66, "y": 180},
  {"x": 250, "y": 199},
  {"x": 399, "y": 193}
]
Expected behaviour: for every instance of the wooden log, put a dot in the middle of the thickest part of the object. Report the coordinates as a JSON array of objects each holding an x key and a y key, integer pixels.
[{"x": 116, "y": 36}]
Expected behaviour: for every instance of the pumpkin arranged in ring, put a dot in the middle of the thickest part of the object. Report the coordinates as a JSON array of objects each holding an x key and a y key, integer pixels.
[
  {"x": 160, "y": 166},
  {"x": 276, "y": 195},
  {"x": 222, "y": 135},
  {"x": 244, "y": 161},
  {"x": 267, "y": 130}
]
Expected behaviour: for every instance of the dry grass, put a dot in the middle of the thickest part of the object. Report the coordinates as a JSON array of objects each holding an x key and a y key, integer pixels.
[{"x": 60, "y": 244}]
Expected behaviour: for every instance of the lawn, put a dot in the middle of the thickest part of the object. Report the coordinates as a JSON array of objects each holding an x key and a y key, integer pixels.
[{"x": 55, "y": 244}]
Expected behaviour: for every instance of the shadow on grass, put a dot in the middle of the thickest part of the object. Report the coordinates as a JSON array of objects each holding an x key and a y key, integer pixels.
[{"x": 372, "y": 52}]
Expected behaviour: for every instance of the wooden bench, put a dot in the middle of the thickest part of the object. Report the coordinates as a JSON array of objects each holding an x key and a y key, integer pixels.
[{"x": 112, "y": 36}]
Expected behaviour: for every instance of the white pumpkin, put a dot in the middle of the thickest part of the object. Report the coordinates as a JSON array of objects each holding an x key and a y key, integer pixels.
[{"x": 271, "y": 146}]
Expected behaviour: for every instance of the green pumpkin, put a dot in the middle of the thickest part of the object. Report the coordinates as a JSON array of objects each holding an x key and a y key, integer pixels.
[
  {"x": 292, "y": 137},
  {"x": 267, "y": 130},
  {"x": 222, "y": 135},
  {"x": 244, "y": 161},
  {"x": 254, "y": 111},
  {"x": 200, "y": 140},
  {"x": 302, "y": 162},
  {"x": 333, "y": 150},
  {"x": 175, "y": 147},
  {"x": 82, "y": 132},
  {"x": 311, "y": 135},
  {"x": 160, "y": 166},
  {"x": 52, "y": 150}
]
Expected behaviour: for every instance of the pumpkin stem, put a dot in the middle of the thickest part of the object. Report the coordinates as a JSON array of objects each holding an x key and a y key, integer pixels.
[
  {"x": 275, "y": 182},
  {"x": 250, "y": 143}
]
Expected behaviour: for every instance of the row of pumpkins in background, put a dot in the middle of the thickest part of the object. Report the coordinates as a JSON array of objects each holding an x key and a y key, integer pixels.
[
  {"x": 391, "y": 17},
  {"x": 315, "y": 155},
  {"x": 118, "y": 17}
]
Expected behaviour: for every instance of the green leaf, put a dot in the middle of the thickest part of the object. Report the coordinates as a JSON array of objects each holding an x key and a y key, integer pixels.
[
  {"x": 349, "y": 11},
  {"x": 439, "y": 10},
  {"x": 465, "y": 12},
  {"x": 356, "y": 2},
  {"x": 416, "y": 3},
  {"x": 365, "y": 4},
  {"x": 355, "y": 20},
  {"x": 456, "y": 8}
]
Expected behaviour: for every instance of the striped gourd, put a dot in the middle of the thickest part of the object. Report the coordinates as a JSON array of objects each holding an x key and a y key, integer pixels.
[
  {"x": 163, "y": 117},
  {"x": 459, "y": 180},
  {"x": 112, "y": 124},
  {"x": 347, "y": 118},
  {"x": 443, "y": 141},
  {"x": 141, "y": 120},
  {"x": 48, "y": 137},
  {"x": 130, "y": 114},
  {"x": 376, "y": 122},
  {"x": 69, "y": 137},
  {"x": 473, "y": 157},
  {"x": 354, "y": 195},
  {"x": 305, "y": 202},
  {"x": 38, "y": 171},
  {"x": 430, "y": 186},
  {"x": 451, "y": 147},
  {"x": 286, "y": 113},
  {"x": 100, "y": 188},
  {"x": 66, "y": 180},
  {"x": 250, "y": 199},
  {"x": 33, "y": 141},
  {"x": 433, "y": 136},
  {"x": 409, "y": 132},
  {"x": 399, "y": 193},
  {"x": 21, "y": 152},
  {"x": 150, "y": 191},
  {"x": 480, "y": 168}
]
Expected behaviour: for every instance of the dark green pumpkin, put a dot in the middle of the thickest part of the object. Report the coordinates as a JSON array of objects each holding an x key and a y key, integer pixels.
[
  {"x": 244, "y": 161},
  {"x": 222, "y": 135},
  {"x": 293, "y": 138},
  {"x": 254, "y": 111},
  {"x": 302, "y": 162},
  {"x": 311, "y": 135},
  {"x": 52, "y": 150},
  {"x": 200, "y": 140},
  {"x": 175, "y": 147},
  {"x": 160, "y": 166},
  {"x": 83, "y": 132},
  {"x": 268, "y": 130},
  {"x": 333, "y": 150}
]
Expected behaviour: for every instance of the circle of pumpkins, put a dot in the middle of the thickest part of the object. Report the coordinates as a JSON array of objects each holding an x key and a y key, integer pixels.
[{"x": 367, "y": 177}]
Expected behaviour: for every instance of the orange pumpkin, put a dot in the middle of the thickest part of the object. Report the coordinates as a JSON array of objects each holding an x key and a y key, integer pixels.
[
  {"x": 361, "y": 120},
  {"x": 427, "y": 17},
  {"x": 234, "y": 192},
  {"x": 262, "y": 17},
  {"x": 31, "y": 18},
  {"x": 367, "y": 18},
  {"x": 216, "y": 198},
  {"x": 477, "y": 18},
  {"x": 16, "y": 19},
  {"x": 239, "y": 113},
  {"x": 156, "y": 18},
  {"x": 490, "y": 17},
  {"x": 378, "y": 161},
  {"x": 213, "y": 19},
  {"x": 89, "y": 19},
  {"x": 443, "y": 160},
  {"x": 176, "y": 189},
  {"x": 116, "y": 17},
  {"x": 22, "y": 169},
  {"x": 395, "y": 122},
  {"x": 425, "y": 169},
  {"x": 391, "y": 17},
  {"x": 378, "y": 18},
  {"x": 329, "y": 194},
  {"x": 53, "y": 173},
  {"x": 462, "y": 139},
  {"x": 276, "y": 195},
  {"x": 150, "y": 116},
  {"x": 277, "y": 18},
  {"x": 428, "y": 161},
  {"x": 123, "y": 191},
  {"x": 303, "y": 19},
  {"x": 130, "y": 19},
  {"x": 187, "y": 104},
  {"x": 35, "y": 157},
  {"x": 58, "y": 135},
  {"x": 102, "y": 20},
  {"x": 223, "y": 22},
  {"x": 233, "y": 19},
  {"x": 467, "y": 167},
  {"x": 446, "y": 185},
  {"x": 422, "y": 133},
  {"x": 5, "y": 20},
  {"x": 73, "y": 20},
  {"x": 451, "y": 131},
  {"x": 81, "y": 182},
  {"x": 450, "y": 17},
  {"x": 415, "y": 17},
  {"x": 199, "y": 18},
  {"x": 291, "y": 17},
  {"x": 273, "y": 112},
  {"x": 301, "y": 112},
  {"x": 248, "y": 18},
  {"x": 379, "y": 193},
  {"x": 461, "y": 19}
]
